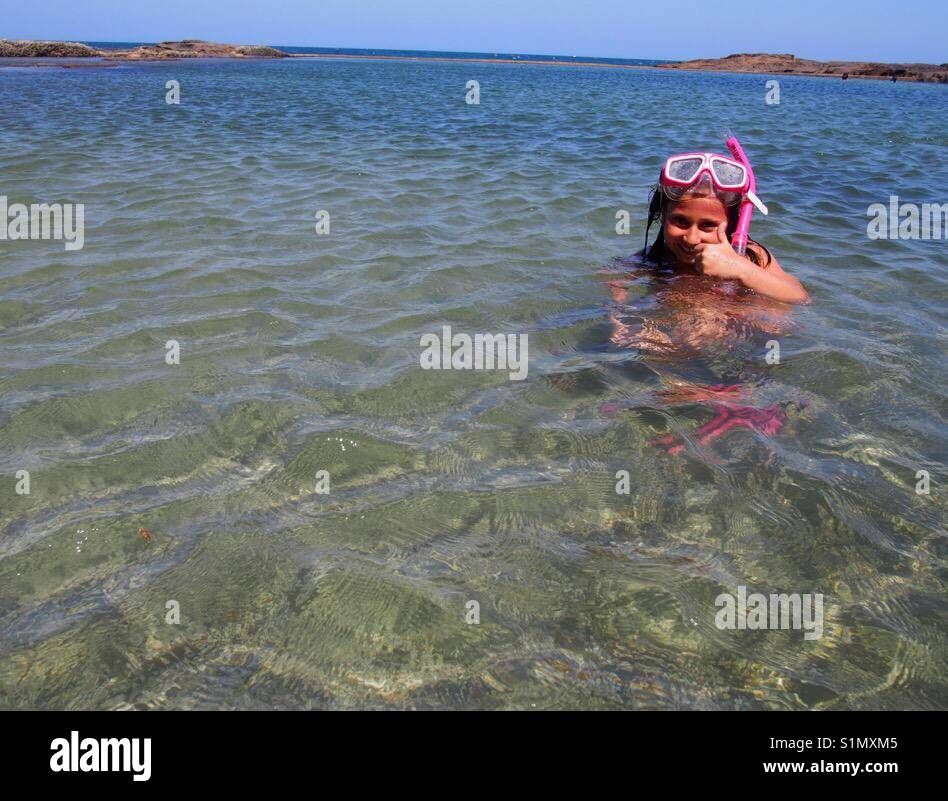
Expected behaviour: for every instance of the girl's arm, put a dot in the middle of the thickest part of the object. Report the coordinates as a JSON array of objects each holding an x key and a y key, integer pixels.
[
  {"x": 720, "y": 260},
  {"x": 773, "y": 282}
]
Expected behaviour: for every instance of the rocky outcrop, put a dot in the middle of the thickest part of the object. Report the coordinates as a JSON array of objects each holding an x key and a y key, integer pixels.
[
  {"x": 194, "y": 48},
  {"x": 260, "y": 51},
  {"x": 23, "y": 48},
  {"x": 777, "y": 63},
  {"x": 186, "y": 48}
]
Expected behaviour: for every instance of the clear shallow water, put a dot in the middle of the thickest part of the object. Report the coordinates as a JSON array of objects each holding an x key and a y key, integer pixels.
[{"x": 300, "y": 353}]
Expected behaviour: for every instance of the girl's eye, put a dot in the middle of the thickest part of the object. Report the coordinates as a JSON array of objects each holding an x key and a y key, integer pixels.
[{"x": 708, "y": 226}]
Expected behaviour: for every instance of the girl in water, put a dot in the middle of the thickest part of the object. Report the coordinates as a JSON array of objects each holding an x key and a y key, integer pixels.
[
  {"x": 704, "y": 293},
  {"x": 697, "y": 203}
]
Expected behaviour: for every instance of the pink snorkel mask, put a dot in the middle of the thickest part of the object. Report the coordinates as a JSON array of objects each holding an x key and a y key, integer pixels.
[{"x": 731, "y": 180}]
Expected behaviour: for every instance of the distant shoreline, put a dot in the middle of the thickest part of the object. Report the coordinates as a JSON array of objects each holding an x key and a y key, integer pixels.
[
  {"x": 478, "y": 60},
  {"x": 742, "y": 63},
  {"x": 836, "y": 69}
]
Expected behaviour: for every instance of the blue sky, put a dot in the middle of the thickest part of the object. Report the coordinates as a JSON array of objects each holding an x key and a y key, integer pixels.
[{"x": 905, "y": 30}]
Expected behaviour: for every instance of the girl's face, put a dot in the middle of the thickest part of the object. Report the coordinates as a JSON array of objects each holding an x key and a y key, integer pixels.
[{"x": 689, "y": 223}]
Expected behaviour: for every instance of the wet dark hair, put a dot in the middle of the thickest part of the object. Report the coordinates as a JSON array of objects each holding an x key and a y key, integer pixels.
[{"x": 657, "y": 209}]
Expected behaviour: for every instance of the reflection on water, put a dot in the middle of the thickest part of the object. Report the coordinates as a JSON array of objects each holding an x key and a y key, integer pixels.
[{"x": 299, "y": 353}]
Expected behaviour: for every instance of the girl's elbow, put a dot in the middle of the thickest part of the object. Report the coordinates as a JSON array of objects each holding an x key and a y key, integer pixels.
[{"x": 804, "y": 296}]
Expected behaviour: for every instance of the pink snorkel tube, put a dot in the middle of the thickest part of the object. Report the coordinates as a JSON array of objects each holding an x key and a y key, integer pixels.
[{"x": 739, "y": 240}]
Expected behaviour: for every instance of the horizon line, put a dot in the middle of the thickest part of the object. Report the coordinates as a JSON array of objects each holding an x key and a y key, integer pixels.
[{"x": 486, "y": 52}]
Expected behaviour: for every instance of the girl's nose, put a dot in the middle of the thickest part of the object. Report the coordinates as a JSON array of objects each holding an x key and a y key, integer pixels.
[{"x": 693, "y": 237}]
